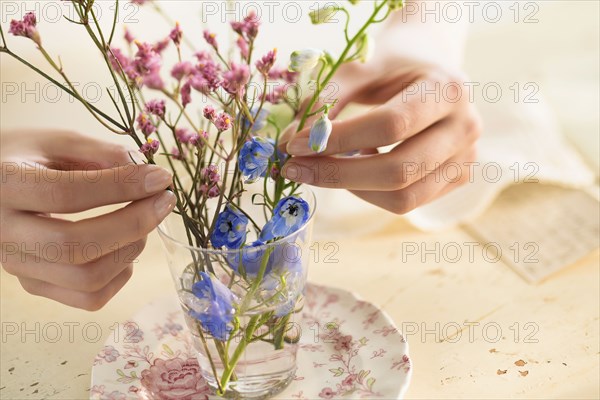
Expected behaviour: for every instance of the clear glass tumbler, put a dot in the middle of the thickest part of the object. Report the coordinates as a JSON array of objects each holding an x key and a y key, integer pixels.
[{"x": 247, "y": 332}]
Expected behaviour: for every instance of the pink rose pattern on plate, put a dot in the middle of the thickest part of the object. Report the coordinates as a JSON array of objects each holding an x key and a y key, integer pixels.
[{"x": 349, "y": 349}]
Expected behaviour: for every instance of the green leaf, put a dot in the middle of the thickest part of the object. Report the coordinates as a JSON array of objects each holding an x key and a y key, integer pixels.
[
  {"x": 363, "y": 374},
  {"x": 370, "y": 383},
  {"x": 167, "y": 349},
  {"x": 337, "y": 371}
]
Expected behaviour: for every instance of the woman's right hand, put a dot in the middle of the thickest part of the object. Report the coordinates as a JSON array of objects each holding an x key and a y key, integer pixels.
[{"x": 85, "y": 263}]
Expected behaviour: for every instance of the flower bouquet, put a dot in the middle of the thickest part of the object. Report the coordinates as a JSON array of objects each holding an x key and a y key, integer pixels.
[{"x": 238, "y": 239}]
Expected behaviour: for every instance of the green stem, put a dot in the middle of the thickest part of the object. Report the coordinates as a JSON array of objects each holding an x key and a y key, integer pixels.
[
  {"x": 338, "y": 64},
  {"x": 252, "y": 325}
]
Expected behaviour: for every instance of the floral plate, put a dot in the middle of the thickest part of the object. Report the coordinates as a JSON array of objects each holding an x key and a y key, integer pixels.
[{"x": 349, "y": 348}]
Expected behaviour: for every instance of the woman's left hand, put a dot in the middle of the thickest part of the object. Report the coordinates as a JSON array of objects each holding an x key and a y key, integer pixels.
[{"x": 421, "y": 110}]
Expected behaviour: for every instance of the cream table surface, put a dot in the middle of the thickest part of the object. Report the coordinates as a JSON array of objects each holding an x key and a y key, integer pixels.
[
  {"x": 428, "y": 300},
  {"x": 564, "y": 310}
]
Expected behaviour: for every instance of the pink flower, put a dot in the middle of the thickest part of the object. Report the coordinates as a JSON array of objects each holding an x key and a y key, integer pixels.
[
  {"x": 114, "y": 395},
  {"x": 276, "y": 94},
  {"x": 186, "y": 94},
  {"x": 176, "y": 154},
  {"x": 154, "y": 81},
  {"x": 211, "y": 174},
  {"x": 202, "y": 56},
  {"x": 176, "y": 34},
  {"x": 175, "y": 379},
  {"x": 285, "y": 74},
  {"x": 109, "y": 353},
  {"x": 147, "y": 58},
  {"x": 209, "y": 70},
  {"x": 150, "y": 148},
  {"x": 199, "y": 83},
  {"x": 211, "y": 39},
  {"x": 350, "y": 379},
  {"x": 128, "y": 36},
  {"x": 147, "y": 63},
  {"x": 213, "y": 192},
  {"x": 26, "y": 28},
  {"x": 139, "y": 2},
  {"x": 275, "y": 172},
  {"x": 210, "y": 113},
  {"x": 243, "y": 46},
  {"x": 199, "y": 140},
  {"x": 248, "y": 28},
  {"x": 183, "y": 135},
  {"x": 181, "y": 70},
  {"x": 327, "y": 393},
  {"x": 223, "y": 122},
  {"x": 161, "y": 45},
  {"x": 265, "y": 64},
  {"x": 97, "y": 389},
  {"x": 235, "y": 80},
  {"x": 343, "y": 343},
  {"x": 118, "y": 60},
  {"x": 156, "y": 107},
  {"x": 145, "y": 124}
]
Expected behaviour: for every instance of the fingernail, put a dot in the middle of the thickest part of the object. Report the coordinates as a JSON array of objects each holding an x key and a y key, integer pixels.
[
  {"x": 157, "y": 180},
  {"x": 298, "y": 173},
  {"x": 164, "y": 204},
  {"x": 299, "y": 147}
]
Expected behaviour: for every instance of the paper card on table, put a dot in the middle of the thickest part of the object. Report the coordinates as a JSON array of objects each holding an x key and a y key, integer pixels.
[{"x": 540, "y": 229}]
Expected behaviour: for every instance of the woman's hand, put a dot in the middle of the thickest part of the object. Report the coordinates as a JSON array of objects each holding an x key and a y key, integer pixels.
[
  {"x": 85, "y": 263},
  {"x": 421, "y": 110}
]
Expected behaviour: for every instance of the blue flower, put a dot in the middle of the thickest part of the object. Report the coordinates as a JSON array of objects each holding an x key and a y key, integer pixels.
[
  {"x": 260, "y": 119},
  {"x": 254, "y": 158},
  {"x": 289, "y": 216},
  {"x": 230, "y": 229},
  {"x": 319, "y": 134},
  {"x": 252, "y": 258},
  {"x": 215, "y": 308}
]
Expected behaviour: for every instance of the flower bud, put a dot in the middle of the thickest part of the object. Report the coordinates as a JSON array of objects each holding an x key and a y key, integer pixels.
[
  {"x": 395, "y": 4},
  {"x": 365, "y": 48},
  {"x": 323, "y": 14},
  {"x": 305, "y": 60},
  {"x": 319, "y": 134},
  {"x": 150, "y": 148},
  {"x": 26, "y": 28}
]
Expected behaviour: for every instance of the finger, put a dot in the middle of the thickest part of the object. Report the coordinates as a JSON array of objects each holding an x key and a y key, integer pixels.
[
  {"x": 87, "y": 301},
  {"x": 449, "y": 176},
  {"x": 70, "y": 150},
  {"x": 391, "y": 171},
  {"x": 343, "y": 97},
  {"x": 68, "y": 242},
  {"x": 89, "y": 277},
  {"x": 33, "y": 187},
  {"x": 402, "y": 117}
]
